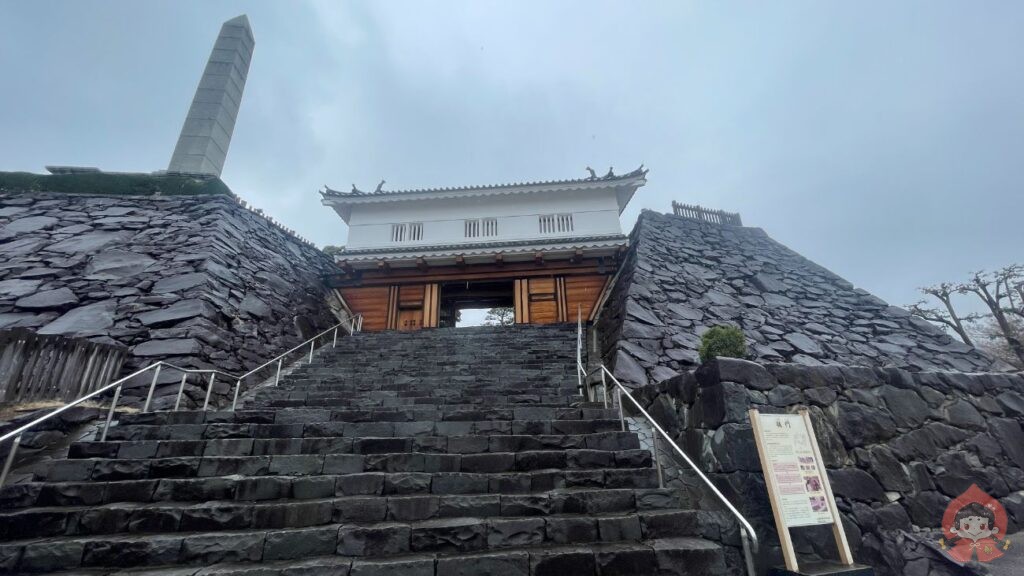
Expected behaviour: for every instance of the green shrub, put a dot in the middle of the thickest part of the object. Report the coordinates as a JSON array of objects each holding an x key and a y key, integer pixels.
[{"x": 725, "y": 341}]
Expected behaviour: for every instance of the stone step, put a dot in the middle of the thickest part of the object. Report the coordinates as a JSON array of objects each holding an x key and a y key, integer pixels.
[
  {"x": 470, "y": 401},
  {"x": 308, "y": 415},
  {"x": 455, "y": 444},
  {"x": 335, "y": 429},
  {"x": 105, "y": 469},
  {"x": 682, "y": 556},
  {"x": 294, "y": 390},
  {"x": 446, "y": 538},
  {"x": 437, "y": 453},
  {"x": 235, "y": 487},
  {"x": 48, "y": 521}
]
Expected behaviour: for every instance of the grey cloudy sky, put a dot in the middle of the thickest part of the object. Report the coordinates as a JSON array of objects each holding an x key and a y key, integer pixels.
[{"x": 883, "y": 140}]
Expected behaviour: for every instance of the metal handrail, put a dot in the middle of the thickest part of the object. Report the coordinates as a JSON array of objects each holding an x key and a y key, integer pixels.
[
  {"x": 747, "y": 534},
  {"x": 352, "y": 325}
]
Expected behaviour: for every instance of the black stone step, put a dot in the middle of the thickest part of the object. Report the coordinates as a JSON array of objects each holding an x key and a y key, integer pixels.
[
  {"x": 332, "y": 429},
  {"x": 105, "y": 469},
  {"x": 319, "y": 485},
  {"x": 454, "y": 444},
  {"x": 438, "y": 392},
  {"x": 444, "y": 537},
  {"x": 304, "y": 415},
  {"x": 437, "y": 453},
  {"x": 136, "y": 518},
  {"x": 463, "y": 401},
  {"x": 681, "y": 556}
]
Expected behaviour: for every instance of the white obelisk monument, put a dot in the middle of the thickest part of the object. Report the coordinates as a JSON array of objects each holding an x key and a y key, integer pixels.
[{"x": 205, "y": 137}]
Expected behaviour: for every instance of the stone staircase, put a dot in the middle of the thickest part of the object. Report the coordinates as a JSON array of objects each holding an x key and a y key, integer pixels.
[{"x": 441, "y": 452}]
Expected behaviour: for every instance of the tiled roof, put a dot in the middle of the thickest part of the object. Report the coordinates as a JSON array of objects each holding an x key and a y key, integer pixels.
[
  {"x": 639, "y": 172},
  {"x": 579, "y": 241}
]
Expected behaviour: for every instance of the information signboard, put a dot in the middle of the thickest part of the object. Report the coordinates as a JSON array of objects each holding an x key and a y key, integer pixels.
[{"x": 798, "y": 485}]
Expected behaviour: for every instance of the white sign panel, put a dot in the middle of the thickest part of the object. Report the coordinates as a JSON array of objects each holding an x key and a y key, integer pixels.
[{"x": 790, "y": 459}]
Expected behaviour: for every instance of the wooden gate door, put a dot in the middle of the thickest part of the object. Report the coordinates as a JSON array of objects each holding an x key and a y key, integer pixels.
[
  {"x": 540, "y": 300},
  {"x": 412, "y": 307}
]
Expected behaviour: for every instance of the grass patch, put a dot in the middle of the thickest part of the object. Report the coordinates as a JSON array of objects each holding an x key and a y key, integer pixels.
[{"x": 112, "y": 184}]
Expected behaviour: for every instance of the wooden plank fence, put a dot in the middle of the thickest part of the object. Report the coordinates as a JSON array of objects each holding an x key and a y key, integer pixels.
[
  {"x": 50, "y": 367},
  {"x": 695, "y": 212}
]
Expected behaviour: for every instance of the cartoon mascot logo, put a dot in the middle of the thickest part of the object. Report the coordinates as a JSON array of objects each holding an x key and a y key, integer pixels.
[{"x": 974, "y": 524}]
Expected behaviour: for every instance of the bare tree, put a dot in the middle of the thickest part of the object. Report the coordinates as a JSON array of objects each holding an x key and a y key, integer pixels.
[
  {"x": 947, "y": 315},
  {"x": 1002, "y": 293},
  {"x": 995, "y": 291},
  {"x": 990, "y": 339}
]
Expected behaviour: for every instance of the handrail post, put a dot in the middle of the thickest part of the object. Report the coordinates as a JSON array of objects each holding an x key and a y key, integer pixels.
[
  {"x": 278, "y": 377},
  {"x": 152, "y": 387},
  {"x": 181, "y": 389},
  {"x": 334, "y": 343},
  {"x": 604, "y": 393},
  {"x": 657, "y": 457},
  {"x": 747, "y": 556},
  {"x": 311, "y": 344},
  {"x": 209, "y": 390},
  {"x": 110, "y": 413},
  {"x": 579, "y": 352},
  {"x": 10, "y": 460},
  {"x": 238, "y": 386},
  {"x": 618, "y": 400}
]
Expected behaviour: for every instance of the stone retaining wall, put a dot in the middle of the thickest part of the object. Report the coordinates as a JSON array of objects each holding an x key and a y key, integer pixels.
[
  {"x": 683, "y": 276},
  {"x": 898, "y": 445},
  {"x": 200, "y": 281}
]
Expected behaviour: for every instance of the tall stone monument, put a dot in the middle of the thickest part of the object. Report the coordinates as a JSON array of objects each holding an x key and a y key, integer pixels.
[{"x": 206, "y": 135}]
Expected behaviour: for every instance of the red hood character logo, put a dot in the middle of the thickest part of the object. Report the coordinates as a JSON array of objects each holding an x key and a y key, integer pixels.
[{"x": 974, "y": 523}]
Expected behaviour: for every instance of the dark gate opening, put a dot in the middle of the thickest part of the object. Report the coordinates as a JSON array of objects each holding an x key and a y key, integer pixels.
[{"x": 465, "y": 303}]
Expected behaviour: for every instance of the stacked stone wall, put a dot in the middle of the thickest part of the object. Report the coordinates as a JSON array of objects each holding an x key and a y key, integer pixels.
[
  {"x": 899, "y": 446},
  {"x": 199, "y": 281},
  {"x": 683, "y": 276}
]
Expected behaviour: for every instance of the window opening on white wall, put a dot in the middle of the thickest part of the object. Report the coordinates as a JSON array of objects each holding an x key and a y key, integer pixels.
[
  {"x": 407, "y": 232},
  {"x": 555, "y": 223},
  {"x": 481, "y": 227}
]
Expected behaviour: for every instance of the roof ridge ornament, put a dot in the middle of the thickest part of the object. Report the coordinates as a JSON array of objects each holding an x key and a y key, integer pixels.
[{"x": 380, "y": 187}]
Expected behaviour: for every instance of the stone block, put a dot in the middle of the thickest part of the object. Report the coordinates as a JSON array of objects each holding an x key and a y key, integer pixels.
[
  {"x": 744, "y": 372},
  {"x": 515, "y": 532},
  {"x": 292, "y": 544},
  {"x": 367, "y": 509},
  {"x": 215, "y": 517},
  {"x": 409, "y": 566},
  {"x": 378, "y": 540},
  {"x": 132, "y": 551},
  {"x": 625, "y": 559},
  {"x": 407, "y": 483},
  {"x": 449, "y": 535},
  {"x": 855, "y": 484},
  {"x": 497, "y": 564},
  {"x": 225, "y": 548},
  {"x": 571, "y": 530},
  {"x": 617, "y": 528}
]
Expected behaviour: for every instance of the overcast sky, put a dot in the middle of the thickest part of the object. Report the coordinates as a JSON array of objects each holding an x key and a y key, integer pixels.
[{"x": 883, "y": 140}]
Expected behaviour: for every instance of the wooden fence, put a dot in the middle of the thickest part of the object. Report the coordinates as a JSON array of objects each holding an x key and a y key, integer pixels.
[
  {"x": 705, "y": 215},
  {"x": 44, "y": 367}
]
